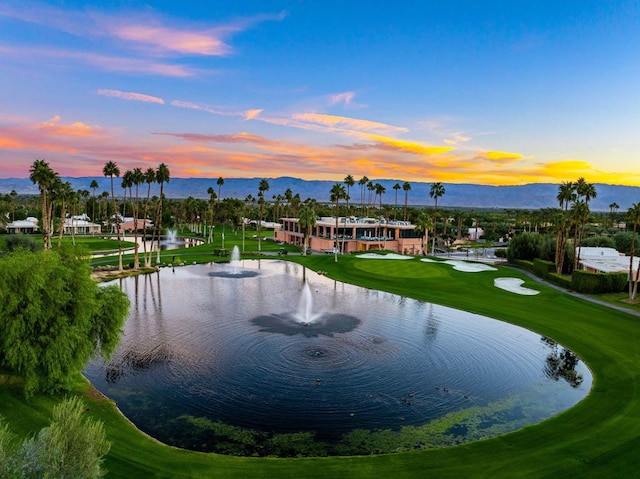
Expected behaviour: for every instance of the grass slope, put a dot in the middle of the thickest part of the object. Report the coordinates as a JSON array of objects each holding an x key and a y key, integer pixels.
[{"x": 599, "y": 437}]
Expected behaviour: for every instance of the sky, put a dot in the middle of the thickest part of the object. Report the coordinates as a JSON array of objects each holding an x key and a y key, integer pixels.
[{"x": 457, "y": 91}]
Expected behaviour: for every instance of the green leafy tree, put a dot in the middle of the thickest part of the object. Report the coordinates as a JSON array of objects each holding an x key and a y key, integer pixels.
[
  {"x": 73, "y": 446},
  {"x": 54, "y": 317}
]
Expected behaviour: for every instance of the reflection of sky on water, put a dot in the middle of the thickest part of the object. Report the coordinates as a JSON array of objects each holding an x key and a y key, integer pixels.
[{"x": 192, "y": 346}]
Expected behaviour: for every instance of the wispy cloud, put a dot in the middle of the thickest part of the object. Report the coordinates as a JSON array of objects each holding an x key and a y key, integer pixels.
[
  {"x": 344, "y": 122},
  {"x": 127, "y": 95},
  {"x": 246, "y": 114}
]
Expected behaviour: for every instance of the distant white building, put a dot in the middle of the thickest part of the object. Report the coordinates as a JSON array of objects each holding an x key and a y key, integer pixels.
[
  {"x": 30, "y": 225},
  {"x": 604, "y": 260},
  {"x": 475, "y": 233},
  {"x": 80, "y": 226}
]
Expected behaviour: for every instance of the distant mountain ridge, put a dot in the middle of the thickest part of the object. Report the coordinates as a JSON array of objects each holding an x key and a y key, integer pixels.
[{"x": 529, "y": 196}]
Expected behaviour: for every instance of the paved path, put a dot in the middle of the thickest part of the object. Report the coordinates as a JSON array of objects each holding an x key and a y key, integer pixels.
[{"x": 577, "y": 295}]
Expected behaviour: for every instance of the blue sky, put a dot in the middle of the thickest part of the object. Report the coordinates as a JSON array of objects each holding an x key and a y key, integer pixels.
[{"x": 491, "y": 92}]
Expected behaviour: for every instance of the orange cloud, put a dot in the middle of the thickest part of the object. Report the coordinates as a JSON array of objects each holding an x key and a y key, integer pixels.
[
  {"x": 251, "y": 114},
  {"x": 53, "y": 127},
  {"x": 500, "y": 156},
  {"x": 123, "y": 95},
  {"x": 343, "y": 122},
  {"x": 409, "y": 146}
]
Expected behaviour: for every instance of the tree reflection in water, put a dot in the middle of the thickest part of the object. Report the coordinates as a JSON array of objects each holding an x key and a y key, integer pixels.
[{"x": 561, "y": 364}]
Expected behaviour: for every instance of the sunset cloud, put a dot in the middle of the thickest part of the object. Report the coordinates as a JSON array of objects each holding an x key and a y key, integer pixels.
[
  {"x": 251, "y": 114},
  {"x": 347, "y": 123},
  {"x": 409, "y": 146},
  {"x": 500, "y": 156},
  {"x": 76, "y": 129},
  {"x": 123, "y": 95},
  {"x": 215, "y": 111}
]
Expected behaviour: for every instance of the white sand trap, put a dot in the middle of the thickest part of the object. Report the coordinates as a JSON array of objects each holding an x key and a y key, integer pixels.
[
  {"x": 463, "y": 266},
  {"x": 513, "y": 286},
  {"x": 383, "y": 256}
]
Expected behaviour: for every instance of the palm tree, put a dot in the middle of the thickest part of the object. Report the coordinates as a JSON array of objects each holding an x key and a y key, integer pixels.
[
  {"x": 94, "y": 186},
  {"x": 62, "y": 193},
  {"x": 149, "y": 179},
  {"x": 406, "y": 187},
  {"x": 349, "y": 181},
  {"x": 306, "y": 221},
  {"x": 423, "y": 224},
  {"x": 162, "y": 176},
  {"x": 337, "y": 193},
  {"x": 613, "y": 208},
  {"x": 362, "y": 182},
  {"x": 220, "y": 182},
  {"x": 212, "y": 198},
  {"x": 45, "y": 177},
  {"x": 588, "y": 192},
  {"x": 436, "y": 191},
  {"x": 396, "y": 188},
  {"x": 566, "y": 195},
  {"x": 137, "y": 178},
  {"x": 111, "y": 169},
  {"x": 263, "y": 187},
  {"x": 633, "y": 217}
]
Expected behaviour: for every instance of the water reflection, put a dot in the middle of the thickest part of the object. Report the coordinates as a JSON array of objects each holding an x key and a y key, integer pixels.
[{"x": 226, "y": 351}]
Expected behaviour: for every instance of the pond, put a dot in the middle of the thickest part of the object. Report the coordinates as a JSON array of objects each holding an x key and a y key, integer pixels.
[{"x": 274, "y": 359}]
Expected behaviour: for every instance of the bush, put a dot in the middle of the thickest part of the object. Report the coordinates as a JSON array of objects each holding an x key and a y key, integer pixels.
[
  {"x": 561, "y": 280},
  {"x": 524, "y": 264},
  {"x": 543, "y": 268},
  {"x": 500, "y": 252},
  {"x": 22, "y": 241},
  {"x": 623, "y": 242},
  {"x": 599, "y": 241},
  {"x": 524, "y": 246},
  {"x": 598, "y": 283}
]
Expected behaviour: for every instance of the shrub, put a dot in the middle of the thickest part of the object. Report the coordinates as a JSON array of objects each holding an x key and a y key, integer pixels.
[
  {"x": 561, "y": 280},
  {"x": 598, "y": 283},
  {"x": 524, "y": 264},
  {"x": 623, "y": 242},
  {"x": 500, "y": 252},
  {"x": 22, "y": 241},
  {"x": 599, "y": 241},
  {"x": 542, "y": 267},
  {"x": 524, "y": 246}
]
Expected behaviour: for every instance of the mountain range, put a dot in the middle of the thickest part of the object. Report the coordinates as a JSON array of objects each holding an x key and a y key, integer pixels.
[{"x": 529, "y": 196}]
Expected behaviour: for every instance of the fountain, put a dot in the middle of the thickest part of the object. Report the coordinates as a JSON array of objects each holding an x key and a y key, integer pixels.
[
  {"x": 291, "y": 352},
  {"x": 235, "y": 260},
  {"x": 305, "y": 314},
  {"x": 171, "y": 237},
  {"x": 234, "y": 268}
]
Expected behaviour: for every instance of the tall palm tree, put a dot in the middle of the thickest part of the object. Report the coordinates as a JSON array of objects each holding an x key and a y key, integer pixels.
[
  {"x": 306, "y": 221},
  {"x": 423, "y": 224},
  {"x": 63, "y": 194},
  {"x": 137, "y": 178},
  {"x": 212, "y": 198},
  {"x": 436, "y": 191},
  {"x": 149, "y": 179},
  {"x": 94, "y": 186},
  {"x": 220, "y": 183},
  {"x": 362, "y": 182},
  {"x": 337, "y": 193},
  {"x": 42, "y": 174},
  {"x": 263, "y": 187},
  {"x": 111, "y": 169},
  {"x": 633, "y": 217},
  {"x": 406, "y": 187},
  {"x": 566, "y": 195},
  {"x": 349, "y": 181},
  {"x": 396, "y": 188},
  {"x": 12, "y": 198},
  {"x": 588, "y": 192},
  {"x": 163, "y": 175}
]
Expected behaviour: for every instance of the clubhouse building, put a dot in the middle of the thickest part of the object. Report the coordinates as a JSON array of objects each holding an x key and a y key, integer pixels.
[{"x": 353, "y": 235}]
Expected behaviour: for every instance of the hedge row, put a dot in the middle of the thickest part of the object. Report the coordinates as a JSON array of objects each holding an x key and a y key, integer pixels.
[
  {"x": 597, "y": 283},
  {"x": 543, "y": 268}
]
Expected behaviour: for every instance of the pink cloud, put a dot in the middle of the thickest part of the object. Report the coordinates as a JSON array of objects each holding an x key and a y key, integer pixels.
[{"x": 123, "y": 95}]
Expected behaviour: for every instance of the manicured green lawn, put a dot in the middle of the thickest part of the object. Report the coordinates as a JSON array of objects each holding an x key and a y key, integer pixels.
[{"x": 599, "y": 437}]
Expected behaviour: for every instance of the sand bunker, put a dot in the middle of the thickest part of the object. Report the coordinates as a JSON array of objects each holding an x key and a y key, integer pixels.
[
  {"x": 463, "y": 266},
  {"x": 383, "y": 256},
  {"x": 513, "y": 286}
]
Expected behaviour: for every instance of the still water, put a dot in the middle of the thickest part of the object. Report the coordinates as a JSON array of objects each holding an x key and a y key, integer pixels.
[{"x": 203, "y": 347}]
